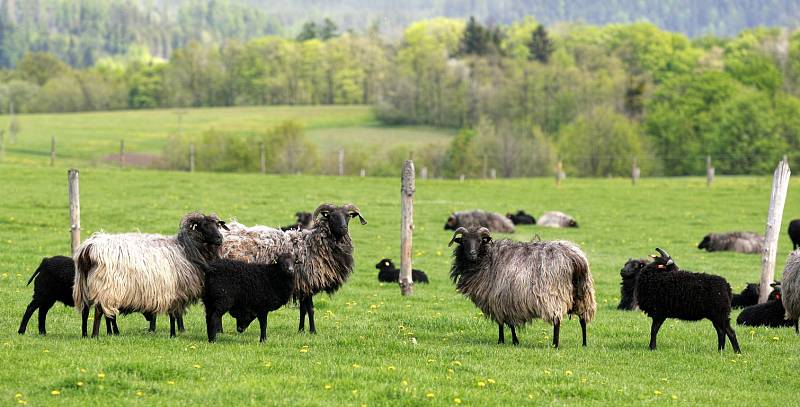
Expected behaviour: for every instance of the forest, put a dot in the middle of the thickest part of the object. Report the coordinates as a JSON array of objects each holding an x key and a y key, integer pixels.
[{"x": 523, "y": 94}]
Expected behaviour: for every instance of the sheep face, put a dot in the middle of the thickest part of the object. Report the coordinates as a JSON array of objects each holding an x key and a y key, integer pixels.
[
  {"x": 304, "y": 218},
  {"x": 384, "y": 264},
  {"x": 286, "y": 262},
  {"x": 631, "y": 268},
  {"x": 338, "y": 218},
  {"x": 573, "y": 223},
  {"x": 451, "y": 223},
  {"x": 205, "y": 229},
  {"x": 472, "y": 242},
  {"x": 706, "y": 243}
]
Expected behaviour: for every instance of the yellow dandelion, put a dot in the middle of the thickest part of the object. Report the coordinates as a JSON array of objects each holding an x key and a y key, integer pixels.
[
  {"x": 547, "y": 371},
  {"x": 82, "y": 370},
  {"x": 530, "y": 396},
  {"x": 356, "y": 365},
  {"x": 431, "y": 360},
  {"x": 354, "y": 391},
  {"x": 775, "y": 338},
  {"x": 674, "y": 397},
  {"x": 390, "y": 367},
  {"x": 196, "y": 366},
  {"x": 490, "y": 381},
  {"x": 192, "y": 347},
  {"x": 18, "y": 396},
  {"x": 101, "y": 375},
  {"x": 328, "y": 387},
  {"x": 429, "y": 395},
  {"x": 23, "y": 402},
  {"x": 79, "y": 384},
  {"x": 303, "y": 350},
  {"x": 457, "y": 400},
  {"x": 481, "y": 384},
  {"x": 657, "y": 393},
  {"x": 55, "y": 392},
  {"x": 139, "y": 393},
  {"x": 171, "y": 382},
  {"x": 450, "y": 371},
  {"x": 664, "y": 379},
  {"x": 45, "y": 351},
  {"x": 456, "y": 363},
  {"x": 405, "y": 382}
]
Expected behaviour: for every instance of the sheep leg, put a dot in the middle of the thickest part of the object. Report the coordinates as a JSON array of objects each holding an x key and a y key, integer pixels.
[
  {"x": 583, "y": 329},
  {"x": 501, "y": 335},
  {"x": 556, "y": 331},
  {"x": 262, "y": 323},
  {"x": 796, "y": 327},
  {"x": 171, "y": 325},
  {"x": 720, "y": 336},
  {"x": 302, "y": 315},
  {"x": 212, "y": 319},
  {"x": 151, "y": 318},
  {"x": 84, "y": 321},
  {"x": 310, "y": 310},
  {"x": 98, "y": 315},
  {"x": 27, "y": 316},
  {"x": 114, "y": 326},
  {"x": 43, "y": 310},
  {"x": 654, "y": 331},
  {"x": 181, "y": 328},
  {"x": 109, "y": 332},
  {"x": 514, "y": 339},
  {"x": 732, "y": 336}
]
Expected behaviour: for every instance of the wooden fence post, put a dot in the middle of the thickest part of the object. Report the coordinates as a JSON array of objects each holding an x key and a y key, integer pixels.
[
  {"x": 341, "y": 162},
  {"x": 461, "y": 178},
  {"x": 122, "y": 154},
  {"x": 560, "y": 175},
  {"x": 424, "y": 173},
  {"x": 493, "y": 173},
  {"x": 780, "y": 187},
  {"x": 263, "y": 154},
  {"x": 406, "y": 228},
  {"x": 363, "y": 172},
  {"x": 635, "y": 172},
  {"x": 52, "y": 151},
  {"x": 191, "y": 157},
  {"x": 709, "y": 171},
  {"x": 74, "y": 209}
]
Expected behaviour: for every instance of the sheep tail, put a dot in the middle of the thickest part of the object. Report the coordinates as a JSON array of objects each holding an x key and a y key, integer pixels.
[
  {"x": 38, "y": 270},
  {"x": 584, "y": 303},
  {"x": 83, "y": 264}
]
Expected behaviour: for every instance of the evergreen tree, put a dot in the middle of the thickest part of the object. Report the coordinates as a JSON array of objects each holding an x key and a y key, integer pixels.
[
  {"x": 540, "y": 47},
  {"x": 475, "y": 39},
  {"x": 328, "y": 30},
  {"x": 308, "y": 32}
]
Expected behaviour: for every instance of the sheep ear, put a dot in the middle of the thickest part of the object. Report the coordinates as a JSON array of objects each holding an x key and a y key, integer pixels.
[{"x": 222, "y": 225}]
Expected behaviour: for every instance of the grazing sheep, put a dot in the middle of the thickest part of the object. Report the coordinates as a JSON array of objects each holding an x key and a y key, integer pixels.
[
  {"x": 664, "y": 291},
  {"x": 390, "y": 274},
  {"x": 794, "y": 233},
  {"x": 246, "y": 288},
  {"x": 790, "y": 288},
  {"x": 514, "y": 282},
  {"x": 146, "y": 272},
  {"x": 630, "y": 270},
  {"x": 495, "y": 222},
  {"x": 749, "y": 295},
  {"x": 741, "y": 242},
  {"x": 521, "y": 218},
  {"x": 304, "y": 221},
  {"x": 770, "y": 313},
  {"x": 53, "y": 283},
  {"x": 556, "y": 219},
  {"x": 325, "y": 253}
]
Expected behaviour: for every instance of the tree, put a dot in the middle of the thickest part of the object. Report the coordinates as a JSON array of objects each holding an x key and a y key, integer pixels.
[
  {"x": 308, "y": 32},
  {"x": 328, "y": 30},
  {"x": 39, "y": 67},
  {"x": 540, "y": 46},
  {"x": 475, "y": 40}
]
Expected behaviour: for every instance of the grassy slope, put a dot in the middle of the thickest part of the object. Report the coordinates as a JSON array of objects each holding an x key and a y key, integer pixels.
[
  {"x": 363, "y": 353},
  {"x": 90, "y": 136}
]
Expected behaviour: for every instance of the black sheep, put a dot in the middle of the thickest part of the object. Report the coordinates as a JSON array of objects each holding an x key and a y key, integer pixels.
[
  {"x": 390, "y": 274},
  {"x": 246, "y": 288},
  {"x": 626, "y": 290},
  {"x": 749, "y": 296},
  {"x": 770, "y": 313},
  {"x": 794, "y": 233},
  {"x": 521, "y": 218},
  {"x": 664, "y": 291},
  {"x": 53, "y": 283},
  {"x": 304, "y": 221}
]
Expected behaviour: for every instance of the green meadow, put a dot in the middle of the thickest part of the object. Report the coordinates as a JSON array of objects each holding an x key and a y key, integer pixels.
[{"x": 375, "y": 347}]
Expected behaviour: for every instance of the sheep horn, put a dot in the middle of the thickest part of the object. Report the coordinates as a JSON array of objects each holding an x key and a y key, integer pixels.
[
  {"x": 352, "y": 209},
  {"x": 665, "y": 255},
  {"x": 484, "y": 232},
  {"x": 458, "y": 231},
  {"x": 323, "y": 207}
]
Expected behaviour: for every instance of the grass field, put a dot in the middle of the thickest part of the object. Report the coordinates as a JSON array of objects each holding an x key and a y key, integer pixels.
[
  {"x": 86, "y": 138},
  {"x": 363, "y": 354}
]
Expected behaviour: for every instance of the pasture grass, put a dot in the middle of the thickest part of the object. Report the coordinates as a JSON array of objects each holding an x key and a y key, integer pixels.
[
  {"x": 87, "y": 138},
  {"x": 364, "y": 353}
]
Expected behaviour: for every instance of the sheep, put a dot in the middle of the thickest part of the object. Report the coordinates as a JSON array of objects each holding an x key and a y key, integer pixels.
[
  {"x": 521, "y": 218},
  {"x": 741, "y": 242},
  {"x": 146, "y": 272},
  {"x": 749, "y": 295},
  {"x": 53, "y": 283},
  {"x": 770, "y": 313},
  {"x": 246, "y": 289},
  {"x": 495, "y": 222},
  {"x": 628, "y": 273},
  {"x": 556, "y": 219},
  {"x": 325, "y": 253},
  {"x": 389, "y": 274},
  {"x": 514, "y": 282},
  {"x": 664, "y": 291},
  {"x": 794, "y": 233},
  {"x": 790, "y": 288},
  {"x": 304, "y": 221}
]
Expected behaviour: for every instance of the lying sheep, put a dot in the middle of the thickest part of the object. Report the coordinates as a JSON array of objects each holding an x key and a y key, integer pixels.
[
  {"x": 794, "y": 233},
  {"x": 770, "y": 313},
  {"x": 304, "y": 221},
  {"x": 514, "y": 282},
  {"x": 521, "y": 218},
  {"x": 145, "y": 272},
  {"x": 664, "y": 291},
  {"x": 749, "y": 295},
  {"x": 495, "y": 222},
  {"x": 740, "y": 242},
  {"x": 390, "y": 274},
  {"x": 790, "y": 288},
  {"x": 629, "y": 272},
  {"x": 556, "y": 219},
  {"x": 246, "y": 289},
  {"x": 325, "y": 252}
]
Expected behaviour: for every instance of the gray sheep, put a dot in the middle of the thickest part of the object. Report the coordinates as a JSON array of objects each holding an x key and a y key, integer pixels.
[
  {"x": 740, "y": 242},
  {"x": 555, "y": 219},
  {"x": 514, "y": 282},
  {"x": 790, "y": 288},
  {"x": 495, "y": 222}
]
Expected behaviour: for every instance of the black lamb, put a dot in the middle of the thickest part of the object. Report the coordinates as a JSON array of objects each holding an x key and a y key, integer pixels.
[
  {"x": 521, "y": 218},
  {"x": 52, "y": 282},
  {"x": 664, "y": 291},
  {"x": 794, "y": 233},
  {"x": 304, "y": 221},
  {"x": 770, "y": 313},
  {"x": 628, "y": 273},
  {"x": 390, "y": 274},
  {"x": 246, "y": 289},
  {"x": 749, "y": 295}
]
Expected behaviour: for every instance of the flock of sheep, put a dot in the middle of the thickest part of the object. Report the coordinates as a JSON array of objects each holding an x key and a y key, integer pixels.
[{"x": 249, "y": 271}]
